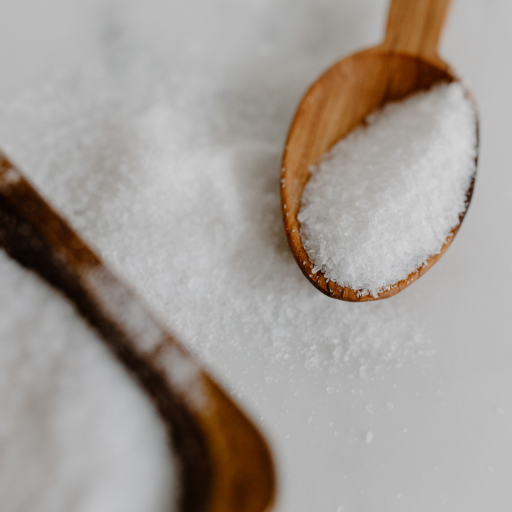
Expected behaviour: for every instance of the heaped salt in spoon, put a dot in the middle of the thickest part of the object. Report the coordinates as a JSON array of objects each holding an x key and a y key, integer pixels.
[{"x": 368, "y": 212}]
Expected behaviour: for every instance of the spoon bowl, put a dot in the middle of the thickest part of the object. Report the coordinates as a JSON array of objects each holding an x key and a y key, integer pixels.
[{"x": 343, "y": 97}]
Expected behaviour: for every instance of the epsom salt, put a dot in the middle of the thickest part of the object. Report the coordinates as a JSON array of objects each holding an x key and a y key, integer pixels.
[
  {"x": 385, "y": 198},
  {"x": 76, "y": 433}
]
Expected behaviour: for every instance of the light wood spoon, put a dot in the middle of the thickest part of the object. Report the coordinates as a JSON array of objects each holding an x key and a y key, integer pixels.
[{"x": 340, "y": 100}]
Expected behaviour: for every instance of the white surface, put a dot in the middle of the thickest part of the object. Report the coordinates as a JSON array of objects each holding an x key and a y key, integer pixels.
[
  {"x": 76, "y": 433},
  {"x": 222, "y": 79}
]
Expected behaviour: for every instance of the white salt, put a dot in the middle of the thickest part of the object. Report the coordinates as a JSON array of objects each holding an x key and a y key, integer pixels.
[
  {"x": 165, "y": 155},
  {"x": 386, "y": 197},
  {"x": 76, "y": 432},
  {"x": 192, "y": 222}
]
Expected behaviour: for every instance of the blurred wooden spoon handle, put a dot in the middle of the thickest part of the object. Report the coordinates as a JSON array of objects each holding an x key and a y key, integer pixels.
[{"x": 225, "y": 464}]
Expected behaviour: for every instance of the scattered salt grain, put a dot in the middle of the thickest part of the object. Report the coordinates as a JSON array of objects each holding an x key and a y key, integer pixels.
[
  {"x": 203, "y": 248},
  {"x": 386, "y": 197},
  {"x": 369, "y": 437}
]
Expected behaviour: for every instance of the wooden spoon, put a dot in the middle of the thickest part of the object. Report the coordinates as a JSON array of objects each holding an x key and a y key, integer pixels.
[
  {"x": 340, "y": 100},
  {"x": 225, "y": 463}
]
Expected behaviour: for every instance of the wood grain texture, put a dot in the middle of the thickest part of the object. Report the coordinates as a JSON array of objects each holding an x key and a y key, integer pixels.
[
  {"x": 414, "y": 27},
  {"x": 226, "y": 465},
  {"x": 343, "y": 97}
]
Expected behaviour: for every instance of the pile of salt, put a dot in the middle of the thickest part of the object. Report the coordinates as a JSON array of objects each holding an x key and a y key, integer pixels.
[
  {"x": 76, "y": 432},
  {"x": 385, "y": 198},
  {"x": 174, "y": 178}
]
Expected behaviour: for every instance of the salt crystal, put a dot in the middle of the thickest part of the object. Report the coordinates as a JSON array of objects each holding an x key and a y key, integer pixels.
[
  {"x": 386, "y": 197},
  {"x": 369, "y": 437}
]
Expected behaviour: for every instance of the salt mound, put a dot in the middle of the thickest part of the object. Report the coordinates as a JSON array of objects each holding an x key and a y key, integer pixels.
[{"x": 385, "y": 198}]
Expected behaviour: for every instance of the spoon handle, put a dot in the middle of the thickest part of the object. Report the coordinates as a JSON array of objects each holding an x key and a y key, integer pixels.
[
  {"x": 225, "y": 464},
  {"x": 414, "y": 27}
]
